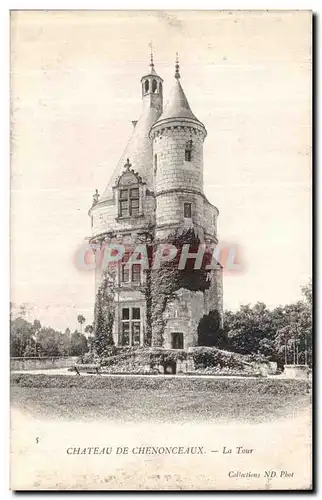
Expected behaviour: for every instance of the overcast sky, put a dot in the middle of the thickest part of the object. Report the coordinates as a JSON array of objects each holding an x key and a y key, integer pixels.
[{"x": 75, "y": 90}]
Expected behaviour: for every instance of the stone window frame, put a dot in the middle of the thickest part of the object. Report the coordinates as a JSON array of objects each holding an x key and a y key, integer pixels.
[
  {"x": 188, "y": 151},
  {"x": 126, "y": 270},
  {"x": 131, "y": 322},
  {"x": 185, "y": 202},
  {"x": 119, "y": 187},
  {"x": 129, "y": 195}
]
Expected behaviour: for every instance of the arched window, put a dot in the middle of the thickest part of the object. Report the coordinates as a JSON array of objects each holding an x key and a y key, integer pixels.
[
  {"x": 146, "y": 86},
  {"x": 154, "y": 86},
  {"x": 160, "y": 87},
  {"x": 188, "y": 151}
]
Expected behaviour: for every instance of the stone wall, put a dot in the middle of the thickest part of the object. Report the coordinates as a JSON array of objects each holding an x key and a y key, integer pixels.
[
  {"x": 105, "y": 216},
  {"x": 173, "y": 172},
  {"x": 214, "y": 295},
  {"x": 183, "y": 315},
  {"x": 178, "y": 181},
  {"x": 44, "y": 363}
]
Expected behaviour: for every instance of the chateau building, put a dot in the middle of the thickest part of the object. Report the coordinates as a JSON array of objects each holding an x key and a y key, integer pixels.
[{"x": 158, "y": 188}]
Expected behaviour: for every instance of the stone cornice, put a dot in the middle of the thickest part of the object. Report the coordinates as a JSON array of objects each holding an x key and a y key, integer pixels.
[{"x": 171, "y": 125}]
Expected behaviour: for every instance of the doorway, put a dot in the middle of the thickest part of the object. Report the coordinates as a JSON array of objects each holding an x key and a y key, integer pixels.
[{"x": 177, "y": 340}]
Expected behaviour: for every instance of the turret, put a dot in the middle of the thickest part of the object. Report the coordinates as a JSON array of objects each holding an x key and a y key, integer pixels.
[
  {"x": 152, "y": 88},
  {"x": 178, "y": 164}
]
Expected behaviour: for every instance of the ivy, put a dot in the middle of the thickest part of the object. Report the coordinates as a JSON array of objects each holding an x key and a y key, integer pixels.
[
  {"x": 159, "y": 289},
  {"x": 104, "y": 314},
  {"x": 168, "y": 279}
]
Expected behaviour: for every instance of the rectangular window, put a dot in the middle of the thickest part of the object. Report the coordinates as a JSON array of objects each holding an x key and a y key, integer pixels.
[
  {"x": 126, "y": 333},
  {"x": 136, "y": 273},
  {"x": 124, "y": 208},
  {"x": 129, "y": 202},
  {"x": 134, "y": 193},
  {"x": 130, "y": 326},
  {"x": 136, "y": 313},
  {"x": 125, "y": 313},
  {"x": 125, "y": 273},
  {"x": 155, "y": 164},
  {"x": 124, "y": 194},
  {"x": 134, "y": 207},
  {"x": 135, "y": 333},
  {"x": 187, "y": 155},
  {"x": 187, "y": 210}
]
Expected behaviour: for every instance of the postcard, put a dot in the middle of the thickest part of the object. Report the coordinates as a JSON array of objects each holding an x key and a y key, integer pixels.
[{"x": 161, "y": 250}]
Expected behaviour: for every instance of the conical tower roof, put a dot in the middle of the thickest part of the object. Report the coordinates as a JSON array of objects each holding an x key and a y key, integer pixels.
[{"x": 177, "y": 105}]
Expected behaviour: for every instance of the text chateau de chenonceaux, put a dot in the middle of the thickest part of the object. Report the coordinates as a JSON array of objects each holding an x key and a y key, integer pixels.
[{"x": 157, "y": 195}]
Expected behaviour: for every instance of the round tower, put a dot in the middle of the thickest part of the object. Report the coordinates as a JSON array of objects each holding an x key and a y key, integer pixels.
[{"x": 177, "y": 138}]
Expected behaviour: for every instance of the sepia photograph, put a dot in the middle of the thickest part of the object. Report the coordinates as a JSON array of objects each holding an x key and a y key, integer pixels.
[{"x": 161, "y": 250}]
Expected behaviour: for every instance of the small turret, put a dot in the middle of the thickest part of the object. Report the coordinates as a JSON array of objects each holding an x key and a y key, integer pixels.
[{"x": 152, "y": 88}]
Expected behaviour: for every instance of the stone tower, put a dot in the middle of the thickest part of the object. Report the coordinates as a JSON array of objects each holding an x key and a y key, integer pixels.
[
  {"x": 178, "y": 138},
  {"x": 157, "y": 189}
]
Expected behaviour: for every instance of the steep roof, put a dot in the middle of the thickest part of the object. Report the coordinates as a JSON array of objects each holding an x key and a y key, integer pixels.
[
  {"x": 138, "y": 150},
  {"x": 177, "y": 105}
]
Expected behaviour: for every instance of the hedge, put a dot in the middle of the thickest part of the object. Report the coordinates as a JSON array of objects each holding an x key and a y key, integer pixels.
[{"x": 146, "y": 383}]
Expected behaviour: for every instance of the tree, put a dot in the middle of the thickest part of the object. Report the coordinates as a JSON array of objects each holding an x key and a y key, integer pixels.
[
  {"x": 253, "y": 329},
  {"x": 294, "y": 339},
  {"x": 210, "y": 332},
  {"x": 21, "y": 337},
  {"x": 283, "y": 334},
  {"x": 48, "y": 345},
  {"x": 104, "y": 313},
  {"x": 103, "y": 326},
  {"x": 81, "y": 319},
  {"x": 307, "y": 292},
  {"x": 89, "y": 329},
  {"x": 78, "y": 344}
]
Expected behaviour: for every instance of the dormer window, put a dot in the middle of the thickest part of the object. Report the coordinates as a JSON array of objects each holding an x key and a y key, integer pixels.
[
  {"x": 128, "y": 193},
  {"x": 188, "y": 151},
  {"x": 129, "y": 202}
]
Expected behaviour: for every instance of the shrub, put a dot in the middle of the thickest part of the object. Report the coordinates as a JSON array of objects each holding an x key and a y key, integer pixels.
[
  {"x": 212, "y": 357},
  {"x": 210, "y": 332},
  {"x": 87, "y": 358}
]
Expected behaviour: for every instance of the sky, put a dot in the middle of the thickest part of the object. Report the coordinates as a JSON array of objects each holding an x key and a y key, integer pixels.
[{"x": 75, "y": 89}]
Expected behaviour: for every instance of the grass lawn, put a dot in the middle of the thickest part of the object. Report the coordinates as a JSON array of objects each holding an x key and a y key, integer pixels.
[{"x": 158, "y": 399}]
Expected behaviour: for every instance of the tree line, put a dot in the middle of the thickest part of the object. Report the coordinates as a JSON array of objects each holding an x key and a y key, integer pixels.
[
  {"x": 282, "y": 334},
  {"x": 31, "y": 339}
]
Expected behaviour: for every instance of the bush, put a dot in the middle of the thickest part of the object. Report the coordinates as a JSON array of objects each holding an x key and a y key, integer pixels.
[
  {"x": 212, "y": 357},
  {"x": 88, "y": 358},
  {"x": 210, "y": 332}
]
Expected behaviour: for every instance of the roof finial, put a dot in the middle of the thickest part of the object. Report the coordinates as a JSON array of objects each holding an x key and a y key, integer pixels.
[
  {"x": 177, "y": 74},
  {"x": 151, "y": 62}
]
